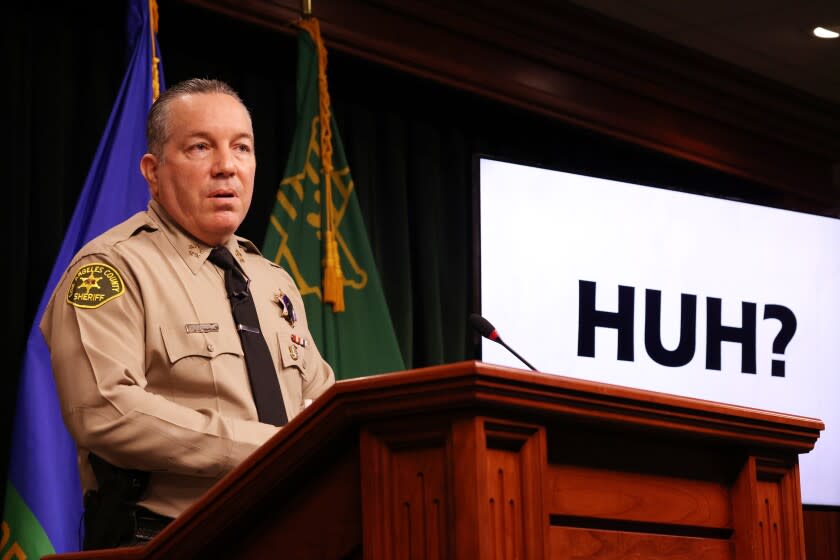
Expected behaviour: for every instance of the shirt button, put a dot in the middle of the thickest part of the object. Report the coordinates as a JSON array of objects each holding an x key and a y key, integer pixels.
[{"x": 210, "y": 347}]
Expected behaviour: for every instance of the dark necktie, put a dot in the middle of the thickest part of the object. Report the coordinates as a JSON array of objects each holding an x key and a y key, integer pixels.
[{"x": 261, "y": 372}]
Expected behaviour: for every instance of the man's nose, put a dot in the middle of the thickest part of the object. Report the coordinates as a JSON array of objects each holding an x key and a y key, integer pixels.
[{"x": 223, "y": 162}]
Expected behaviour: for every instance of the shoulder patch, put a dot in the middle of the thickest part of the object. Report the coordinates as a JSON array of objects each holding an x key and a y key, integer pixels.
[{"x": 94, "y": 285}]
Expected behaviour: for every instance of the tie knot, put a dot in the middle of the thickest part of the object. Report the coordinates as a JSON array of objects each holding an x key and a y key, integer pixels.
[{"x": 222, "y": 258}]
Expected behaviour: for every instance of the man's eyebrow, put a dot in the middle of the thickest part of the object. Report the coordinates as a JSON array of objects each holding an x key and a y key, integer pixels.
[
  {"x": 197, "y": 133},
  {"x": 206, "y": 134}
]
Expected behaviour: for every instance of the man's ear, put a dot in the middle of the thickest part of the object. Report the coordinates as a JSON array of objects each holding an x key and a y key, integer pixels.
[{"x": 149, "y": 169}]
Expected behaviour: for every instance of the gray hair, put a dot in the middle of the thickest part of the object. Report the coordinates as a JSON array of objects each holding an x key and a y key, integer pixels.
[{"x": 157, "y": 129}]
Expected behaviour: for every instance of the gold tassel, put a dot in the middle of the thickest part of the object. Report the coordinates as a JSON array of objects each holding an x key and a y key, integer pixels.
[{"x": 332, "y": 282}]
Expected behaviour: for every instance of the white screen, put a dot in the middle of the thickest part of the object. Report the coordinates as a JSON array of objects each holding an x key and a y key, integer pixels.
[{"x": 548, "y": 238}]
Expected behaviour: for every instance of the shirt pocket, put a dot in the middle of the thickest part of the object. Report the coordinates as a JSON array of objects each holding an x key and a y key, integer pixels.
[{"x": 180, "y": 344}]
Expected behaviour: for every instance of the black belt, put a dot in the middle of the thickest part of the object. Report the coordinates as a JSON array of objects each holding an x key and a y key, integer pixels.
[
  {"x": 147, "y": 524},
  {"x": 121, "y": 525}
]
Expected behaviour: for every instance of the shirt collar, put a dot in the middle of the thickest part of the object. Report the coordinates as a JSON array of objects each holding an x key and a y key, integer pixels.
[{"x": 192, "y": 251}]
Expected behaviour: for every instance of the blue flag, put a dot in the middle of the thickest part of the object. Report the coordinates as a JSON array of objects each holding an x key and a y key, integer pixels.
[{"x": 43, "y": 507}]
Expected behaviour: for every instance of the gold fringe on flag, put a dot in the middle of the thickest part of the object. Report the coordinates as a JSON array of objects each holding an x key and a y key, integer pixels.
[
  {"x": 332, "y": 284},
  {"x": 153, "y": 15}
]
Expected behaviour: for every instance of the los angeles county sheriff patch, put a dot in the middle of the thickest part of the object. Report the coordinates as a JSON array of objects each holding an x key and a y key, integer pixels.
[{"x": 94, "y": 285}]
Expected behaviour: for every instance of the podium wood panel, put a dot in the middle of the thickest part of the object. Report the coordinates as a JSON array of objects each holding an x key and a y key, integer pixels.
[{"x": 476, "y": 461}]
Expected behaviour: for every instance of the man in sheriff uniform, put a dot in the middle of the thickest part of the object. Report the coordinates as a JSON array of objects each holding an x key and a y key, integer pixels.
[{"x": 151, "y": 371}]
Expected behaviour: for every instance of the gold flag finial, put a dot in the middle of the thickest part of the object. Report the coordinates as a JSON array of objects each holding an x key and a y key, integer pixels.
[{"x": 153, "y": 17}]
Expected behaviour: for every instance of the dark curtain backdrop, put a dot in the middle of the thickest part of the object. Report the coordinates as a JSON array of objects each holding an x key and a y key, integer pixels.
[{"x": 410, "y": 143}]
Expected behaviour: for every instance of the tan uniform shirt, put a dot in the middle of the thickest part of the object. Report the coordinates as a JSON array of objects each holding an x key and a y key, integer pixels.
[{"x": 149, "y": 367}]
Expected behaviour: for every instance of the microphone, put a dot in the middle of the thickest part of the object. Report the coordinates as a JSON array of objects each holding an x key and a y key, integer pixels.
[{"x": 483, "y": 327}]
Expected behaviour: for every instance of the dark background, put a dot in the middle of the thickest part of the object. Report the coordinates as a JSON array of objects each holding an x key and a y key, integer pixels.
[{"x": 410, "y": 144}]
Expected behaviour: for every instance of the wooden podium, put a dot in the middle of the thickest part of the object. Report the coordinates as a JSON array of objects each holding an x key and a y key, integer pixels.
[{"x": 473, "y": 461}]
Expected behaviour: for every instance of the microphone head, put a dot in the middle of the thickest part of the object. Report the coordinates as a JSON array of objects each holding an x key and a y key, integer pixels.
[{"x": 483, "y": 327}]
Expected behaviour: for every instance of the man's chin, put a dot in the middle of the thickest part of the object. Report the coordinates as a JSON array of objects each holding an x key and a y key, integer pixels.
[{"x": 222, "y": 228}]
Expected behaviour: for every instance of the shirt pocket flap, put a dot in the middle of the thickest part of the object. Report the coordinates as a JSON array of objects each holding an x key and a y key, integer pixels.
[
  {"x": 293, "y": 355},
  {"x": 179, "y": 343}
]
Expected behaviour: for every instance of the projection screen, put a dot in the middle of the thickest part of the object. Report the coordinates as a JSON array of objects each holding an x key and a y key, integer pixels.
[{"x": 667, "y": 291}]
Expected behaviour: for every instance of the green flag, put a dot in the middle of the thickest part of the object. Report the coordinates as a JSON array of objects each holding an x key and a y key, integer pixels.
[{"x": 317, "y": 233}]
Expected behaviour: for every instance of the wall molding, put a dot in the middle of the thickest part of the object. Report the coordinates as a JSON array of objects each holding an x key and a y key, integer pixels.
[{"x": 568, "y": 64}]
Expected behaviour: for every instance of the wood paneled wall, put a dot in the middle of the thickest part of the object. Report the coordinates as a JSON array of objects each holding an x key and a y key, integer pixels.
[{"x": 822, "y": 533}]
